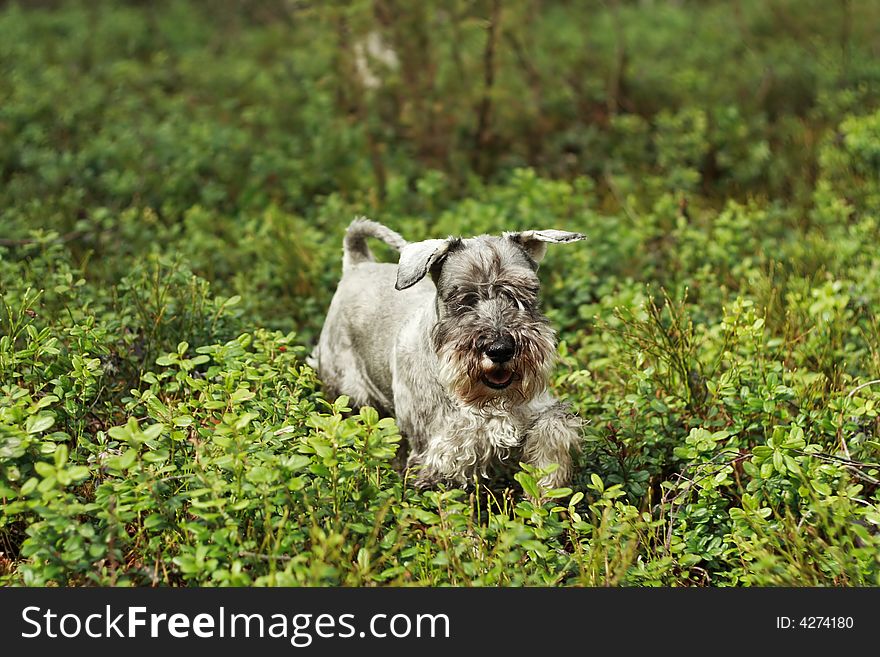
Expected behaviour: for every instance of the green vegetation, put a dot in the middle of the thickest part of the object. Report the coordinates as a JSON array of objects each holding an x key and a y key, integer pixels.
[{"x": 175, "y": 178}]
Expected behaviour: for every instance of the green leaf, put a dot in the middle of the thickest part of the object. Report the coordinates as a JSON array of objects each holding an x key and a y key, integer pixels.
[
  {"x": 322, "y": 449},
  {"x": 369, "y": 415},
  {"x": 555, "y": 493},
  {"x": 528, "y": 483},
  {"x": 156, "y": 456},
  {"x": 47, "y": 484},
  {"x": 123, "y": 462},
  {"x": 28, "y": 487},
  {"x": 792, "y": 465},
  {"x": 119, "y": 433},
  {"x": 44, "y": 469},
  {"x": 78, "y": 472},
  {"x": 778, "y": 461},
  {"x": 260, "y": 475},
  {"x": 242, "y": 422},
  {"x": 296, "y": 462},
  {"x": 60, "y": 455},
  {"x": 242, "y": 394},
  {"x": 38, "y": 423},
  {"x": 153, "y": 431},
  {"x": 48, "y": 400}
]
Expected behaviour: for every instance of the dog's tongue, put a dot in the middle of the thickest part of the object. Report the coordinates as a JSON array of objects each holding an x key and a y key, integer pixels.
[{"x": 499, "y": 377}]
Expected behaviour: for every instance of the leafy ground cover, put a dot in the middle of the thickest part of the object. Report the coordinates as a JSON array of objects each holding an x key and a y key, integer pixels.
[{"x": 174, "y": 183}]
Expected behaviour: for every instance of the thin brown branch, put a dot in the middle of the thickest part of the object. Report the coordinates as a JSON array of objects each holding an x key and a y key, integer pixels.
[{"x": 483, "y": 135}]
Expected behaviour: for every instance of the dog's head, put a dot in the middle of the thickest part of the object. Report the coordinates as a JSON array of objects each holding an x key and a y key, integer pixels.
[{"x": 494, "y": 343}]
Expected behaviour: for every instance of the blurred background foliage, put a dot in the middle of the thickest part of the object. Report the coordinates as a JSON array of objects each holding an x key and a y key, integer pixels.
[{"x": 175, "y": 180}]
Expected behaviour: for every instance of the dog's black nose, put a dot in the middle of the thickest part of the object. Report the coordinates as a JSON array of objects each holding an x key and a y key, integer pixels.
[{"x": 501, "y": 350}]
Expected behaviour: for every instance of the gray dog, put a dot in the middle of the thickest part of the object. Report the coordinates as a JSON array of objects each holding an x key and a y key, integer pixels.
[{"x": 460, "y": 358}]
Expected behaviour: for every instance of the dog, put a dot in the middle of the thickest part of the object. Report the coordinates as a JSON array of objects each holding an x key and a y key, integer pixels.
[{"x": 451, "y": 342}]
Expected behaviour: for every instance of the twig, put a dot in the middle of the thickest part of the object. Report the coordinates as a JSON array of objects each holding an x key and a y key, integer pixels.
[
  {"x": 616, "y": 77},
  {"x": 849, "y": 464},
  {"x": 265, "y": 557},
  {"x": 849, "y": 396},
  {"x": 692, "y": 483},
  {"x": 529, "y": 71},
  {"x": 482, "y": 137},
  {"x": 864, "y": 385}
]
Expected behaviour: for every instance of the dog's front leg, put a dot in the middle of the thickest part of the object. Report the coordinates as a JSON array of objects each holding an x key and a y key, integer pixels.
[
  {"x": 552, "y": 437},
  {"x": 441, "y": 462}
]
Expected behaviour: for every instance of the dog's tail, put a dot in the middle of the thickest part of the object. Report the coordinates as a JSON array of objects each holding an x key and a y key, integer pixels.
[{"x": 354, "y": 246}]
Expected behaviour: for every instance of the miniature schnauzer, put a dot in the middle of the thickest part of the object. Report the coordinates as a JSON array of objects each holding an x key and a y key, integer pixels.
[{"x": 452, "y": 343}]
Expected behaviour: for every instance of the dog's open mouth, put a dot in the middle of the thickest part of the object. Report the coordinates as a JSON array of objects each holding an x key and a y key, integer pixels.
[{"x": 498, "y": 379}]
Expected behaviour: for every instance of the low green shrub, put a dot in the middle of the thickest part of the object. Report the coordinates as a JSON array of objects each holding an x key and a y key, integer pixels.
[{"x": 175, "y": 182}]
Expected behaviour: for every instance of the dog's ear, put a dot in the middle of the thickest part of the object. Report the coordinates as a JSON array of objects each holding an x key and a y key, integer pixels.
[
  {"x": 417, "y": 258},
  {"x": 535, "y": 241}
]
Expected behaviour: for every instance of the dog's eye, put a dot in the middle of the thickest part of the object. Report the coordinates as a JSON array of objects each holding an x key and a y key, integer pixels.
[
  {"x": 512, "y": 299},
  {"x": 518, "y": 303},
  {"x": 469, "y": 300}
]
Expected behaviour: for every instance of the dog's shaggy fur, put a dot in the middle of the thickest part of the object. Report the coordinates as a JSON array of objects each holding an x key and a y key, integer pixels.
[{"x": 451, "y": 341}]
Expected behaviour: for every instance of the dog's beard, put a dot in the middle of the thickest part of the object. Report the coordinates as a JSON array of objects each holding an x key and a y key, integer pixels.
[{"x": 476, "y": 381}]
